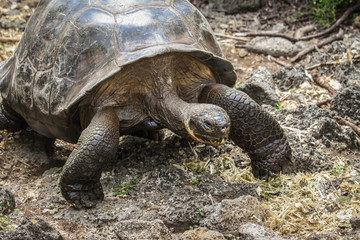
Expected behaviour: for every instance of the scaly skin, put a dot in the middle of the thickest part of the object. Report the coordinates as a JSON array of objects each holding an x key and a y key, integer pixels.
[
  {"x": 80, "y": 178},
  {"x": 253, "y": 129},
  {"x": 9, "y": 119}
]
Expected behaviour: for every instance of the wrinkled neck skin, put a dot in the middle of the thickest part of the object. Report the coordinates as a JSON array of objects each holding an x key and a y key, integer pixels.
[
  {"x": 171, "y": 97},
  {"x": 163, "y": 88},
  {"x": 169, "y": 111}
]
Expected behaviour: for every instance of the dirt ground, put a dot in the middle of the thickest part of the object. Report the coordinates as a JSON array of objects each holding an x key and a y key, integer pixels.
[{"x": 172, "y": 180}]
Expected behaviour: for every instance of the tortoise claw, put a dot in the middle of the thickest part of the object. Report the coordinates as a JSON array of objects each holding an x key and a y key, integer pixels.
[
  {"x": 264, "y": 171},
  {"x": 83, "y": 195}
]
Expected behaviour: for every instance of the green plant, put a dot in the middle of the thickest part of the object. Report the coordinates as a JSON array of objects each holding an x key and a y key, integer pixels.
[
  {"x": 3, "y": 222},
  {"x": 278, "y": 106},
  {"x": 195, "y": 181},
  {"x": 201, "y": 213},
  {"x": 124, "y": 188},
  {"x": 193, "y": 227},
  {"x": 59, "y": 170},
  {"x": 55, "y": 207},
  {"x": 3, "y": 218},
  {"x": 324, "y": 11},
  {"x": 338, "y": 169}
]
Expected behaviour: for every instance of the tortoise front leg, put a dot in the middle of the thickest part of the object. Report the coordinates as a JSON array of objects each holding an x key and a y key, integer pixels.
[
  {"x": 253, "y": 129},
  {"x": 9, "y": 119},
  {"x": 80, "y": 178}
]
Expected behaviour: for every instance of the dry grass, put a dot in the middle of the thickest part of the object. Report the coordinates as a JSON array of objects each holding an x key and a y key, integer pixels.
[
  {"x": 305, "y": 203},
  {"x": 301, "y": 204}
]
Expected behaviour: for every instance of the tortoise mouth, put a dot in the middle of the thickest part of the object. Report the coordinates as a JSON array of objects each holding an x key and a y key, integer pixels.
[{"x": 214, "y": 138}]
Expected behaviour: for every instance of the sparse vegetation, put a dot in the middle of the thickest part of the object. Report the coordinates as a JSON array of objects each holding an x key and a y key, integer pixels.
[
  {"x": 324, "y": 11},
  {"x": 193, "y": 227},
  {"x": 195, "y": 181},
  {"x": 278, "y": 106},
  {"x": 3, "y": 219},
  {"x": 124, "y": 188}
]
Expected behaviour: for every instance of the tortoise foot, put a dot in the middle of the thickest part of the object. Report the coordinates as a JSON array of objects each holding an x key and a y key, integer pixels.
[
  {"x": 264, "y": 171},
  {"x": 271, "y": 160},
  {"x": 9, "y": 119},
  {"x": 83, "y": 195}
]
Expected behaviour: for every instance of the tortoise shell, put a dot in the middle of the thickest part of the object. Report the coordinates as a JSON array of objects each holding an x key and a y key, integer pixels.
[{"x": 70, "y": 47}]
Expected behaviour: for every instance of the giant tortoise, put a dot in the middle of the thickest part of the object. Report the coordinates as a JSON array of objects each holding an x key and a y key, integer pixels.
[{"x": 89, "y": 71}]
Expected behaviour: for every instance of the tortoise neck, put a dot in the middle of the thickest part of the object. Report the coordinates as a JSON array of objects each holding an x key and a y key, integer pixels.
[{"x": 169, "y": 110}]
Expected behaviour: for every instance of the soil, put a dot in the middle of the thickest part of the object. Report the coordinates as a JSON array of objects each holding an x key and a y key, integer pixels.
[{"x": 167, "y": 185}]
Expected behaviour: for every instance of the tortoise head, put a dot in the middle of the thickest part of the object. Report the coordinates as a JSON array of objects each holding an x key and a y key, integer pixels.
[{"x": 208, "y": 124}]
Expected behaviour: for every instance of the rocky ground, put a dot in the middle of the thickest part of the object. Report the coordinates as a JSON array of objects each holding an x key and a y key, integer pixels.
[{"x": 180, "y": 189}]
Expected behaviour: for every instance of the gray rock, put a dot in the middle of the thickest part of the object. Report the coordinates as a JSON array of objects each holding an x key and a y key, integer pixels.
[
  {"x": 290, "y": 77},
  {"x": 306, "y": 155},
  {"x": 272, "y": 46},
  {"x": 328, "y": 130},
  {"x": 16, "y": 24},
  {"x": 142, "y": 230},
  {"x": 236, "y": 6},
  {"x": 260, "y": 87},
  {"x": 228, "y": 215},
  {"x": 255, "y": 25},
  {"x": 30, "y": 229},
  {"x": 346, "y": 72},
  {"x": 252, "y": 231},
  {"x": 7, "y": 201},
  {"x": 304, "y": 44},
  {"x": 355, "y": 223},
  {"x": 278, "y": 27},
  {"x": 201, "y": 234},
  {"x": 220, "y": 190},
  {"x": 322, "y": 236},
  {"x": 347, "y": 104}
]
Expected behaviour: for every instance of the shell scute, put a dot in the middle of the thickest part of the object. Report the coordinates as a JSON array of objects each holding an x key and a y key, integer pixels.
[
  {"x": 87, "y": 45},
  {"x": 42, "y": 88},
  {"x": 49, "y": 28},
  {"x": 152, "y": 26}
]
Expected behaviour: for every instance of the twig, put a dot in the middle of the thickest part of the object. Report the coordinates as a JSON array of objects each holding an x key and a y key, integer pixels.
[
  {"x": 281, "y": 63},
  {"x": 9, "y": 39},
  {"x": 342, "y": 121},
  {"x": 323, "y": 102},
  {"x": 266, "y": 34},
  {"x": 323, "y": 64},
  {"x": 231, "y": 37},
  {"x": 330, "y": 63},
  {"x": 325, "y": 41},
  {"x": 322, "y": 83},
  {"x": 301, "y": 31}
]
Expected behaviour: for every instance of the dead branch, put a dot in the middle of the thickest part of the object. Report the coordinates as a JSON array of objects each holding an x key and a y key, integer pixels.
[
  {"x": 325, "y": 41},
  {"x": 243, "y": 39},
  {"x": 281, "y": 63},
  {"x": 301, "y": 31},
  {"x": 267, "y": 34},
  {"x": 322, "y": 83},
  {"x": 295, "y": 39},
  {"x": 330, "y": 63},
  {"x": 342, "y": 121},
  {"x": 324, "y": 102},
  {"x": 9, "y": 39}
]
